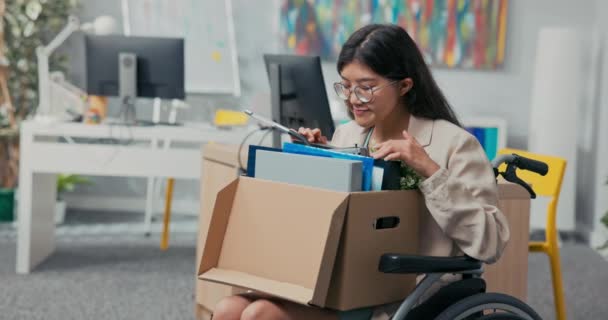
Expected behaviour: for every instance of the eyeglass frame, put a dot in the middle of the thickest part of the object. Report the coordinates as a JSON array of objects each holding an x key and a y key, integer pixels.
[{"x": 371, "y": 90}]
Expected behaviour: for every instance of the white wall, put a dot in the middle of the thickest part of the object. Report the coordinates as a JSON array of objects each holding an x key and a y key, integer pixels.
[
  {"x": 503, "y": 93},
  {"x": 600, "y": 200},
  {"x": 507, "y": 93},
  {"x": 598, "y": 196}
]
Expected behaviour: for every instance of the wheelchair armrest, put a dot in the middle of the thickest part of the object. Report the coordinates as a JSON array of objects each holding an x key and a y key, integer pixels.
[{"x": 399, "y": 263}]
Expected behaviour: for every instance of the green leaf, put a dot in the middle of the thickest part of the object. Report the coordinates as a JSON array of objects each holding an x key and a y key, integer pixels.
[
  {"x": 604, "y": 219},
  {"x": 410, "y": 179},
  {"x": 68, "y": 182}
]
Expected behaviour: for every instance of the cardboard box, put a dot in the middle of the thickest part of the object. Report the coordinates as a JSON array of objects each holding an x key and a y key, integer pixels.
[
  {"x": 509, "y": 274},
  {"x": 308, "y": 245},
  {"x": 219, "y": 169}
]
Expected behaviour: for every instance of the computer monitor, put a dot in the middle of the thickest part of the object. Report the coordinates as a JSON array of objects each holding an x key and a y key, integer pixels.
[
  {"x": 158, "y": 70},
  {"x": 298, "y": 95}
]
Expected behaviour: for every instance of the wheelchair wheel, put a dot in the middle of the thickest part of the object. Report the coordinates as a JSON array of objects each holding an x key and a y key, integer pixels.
[
  {"x": 489, "y": 306},
  {"x": 500, "y": 316}
]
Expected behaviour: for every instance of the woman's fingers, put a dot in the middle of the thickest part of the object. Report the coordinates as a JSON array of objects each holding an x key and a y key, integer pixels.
[
  {"x": 392, "y": 150},
  {"x": 306, "y": 133},
  {"x": 319, "y": 137},
  {"x": 393, "y": 156},
  {"x": 312, "y": 135},
  {"x": 410, "y": 138},
  {"x": 382, "y": 152}
]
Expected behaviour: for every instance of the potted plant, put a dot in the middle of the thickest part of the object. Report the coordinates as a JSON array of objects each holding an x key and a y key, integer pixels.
[
  {"x": 24, "y": 26},
  {"x": 66, "y": 183}
]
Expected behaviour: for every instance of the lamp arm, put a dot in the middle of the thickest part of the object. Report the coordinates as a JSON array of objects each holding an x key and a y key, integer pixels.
[
  {"x": 73, "y": 25},
  {"x": 43, "y": 53}
]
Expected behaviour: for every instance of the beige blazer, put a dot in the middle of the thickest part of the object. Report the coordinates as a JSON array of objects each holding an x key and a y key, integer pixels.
[{"x": 461, "y": 198}]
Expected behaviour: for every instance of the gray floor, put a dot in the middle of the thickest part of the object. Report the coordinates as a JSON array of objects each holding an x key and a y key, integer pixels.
[
  {"x": 128, "y": 277},
  {"x": 121, "y": 280}
]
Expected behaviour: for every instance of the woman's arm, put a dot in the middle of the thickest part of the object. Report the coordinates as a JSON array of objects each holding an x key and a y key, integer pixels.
[{"x": 463, "y": 199}]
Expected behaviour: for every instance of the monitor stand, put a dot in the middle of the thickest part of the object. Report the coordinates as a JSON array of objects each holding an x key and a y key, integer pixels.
[
  {"x": 127, "y": 78},
  {"x": 127, "y": 75},
  {"x": 275, "y": 101}
]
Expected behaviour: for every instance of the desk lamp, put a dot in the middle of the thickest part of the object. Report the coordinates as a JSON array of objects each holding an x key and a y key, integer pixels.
[{"x": 102, "y": 25}]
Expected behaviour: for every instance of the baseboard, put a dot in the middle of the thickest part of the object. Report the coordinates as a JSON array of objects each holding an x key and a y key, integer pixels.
[{"x": 130, "y": 204}]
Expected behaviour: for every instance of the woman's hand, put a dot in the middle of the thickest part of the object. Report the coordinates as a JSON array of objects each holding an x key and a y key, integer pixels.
[
  {"x": 313, "y": 135},
  {"x": 410, "y": 152}
]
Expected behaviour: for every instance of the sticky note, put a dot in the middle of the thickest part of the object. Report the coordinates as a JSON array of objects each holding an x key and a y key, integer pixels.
[{"x": 216, "y": 56}]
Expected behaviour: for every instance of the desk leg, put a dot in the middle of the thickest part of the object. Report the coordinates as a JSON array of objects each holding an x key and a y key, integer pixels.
[
  {"x": 150, "y": 195},
  {"x": 36, "y": 219}
]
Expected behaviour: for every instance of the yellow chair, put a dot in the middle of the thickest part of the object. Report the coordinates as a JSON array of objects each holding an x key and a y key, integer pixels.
[
  {"x": 164, "y": 239},
  {"x": 548, "y": 186}
]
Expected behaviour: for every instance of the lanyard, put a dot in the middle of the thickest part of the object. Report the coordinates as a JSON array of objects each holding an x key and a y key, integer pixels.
[{"x": 368, "y": 138}]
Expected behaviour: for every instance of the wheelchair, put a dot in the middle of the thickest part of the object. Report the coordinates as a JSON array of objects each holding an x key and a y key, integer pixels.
[{"x": 464, "y": 299}]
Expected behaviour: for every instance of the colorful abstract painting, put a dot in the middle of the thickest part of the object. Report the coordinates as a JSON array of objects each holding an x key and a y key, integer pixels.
[{"x": 450, "y": 33}]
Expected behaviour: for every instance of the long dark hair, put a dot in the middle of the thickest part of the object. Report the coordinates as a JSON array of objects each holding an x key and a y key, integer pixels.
[{"x": 390, "y": 52}]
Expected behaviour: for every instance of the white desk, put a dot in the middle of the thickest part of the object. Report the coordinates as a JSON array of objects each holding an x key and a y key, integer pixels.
[{"x": 44, "y": 155}]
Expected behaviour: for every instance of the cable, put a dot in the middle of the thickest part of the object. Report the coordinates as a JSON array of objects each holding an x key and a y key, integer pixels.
[
  {"x": 241, "y": 167},
  {"x": 117, "y": 140},
  {"x": 265, "y": 134}
]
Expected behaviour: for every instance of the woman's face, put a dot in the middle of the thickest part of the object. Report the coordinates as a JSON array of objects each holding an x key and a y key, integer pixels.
[{"x": 385, "y": 97}]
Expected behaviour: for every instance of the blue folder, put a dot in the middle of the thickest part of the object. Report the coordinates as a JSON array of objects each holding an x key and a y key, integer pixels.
[
  {"x": 479, "y": 133},
  {"x": 491, "y": 142}
]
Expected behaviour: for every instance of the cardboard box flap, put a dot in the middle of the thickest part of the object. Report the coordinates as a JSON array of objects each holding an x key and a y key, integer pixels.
[
  {"x": 251, "y": 214},
  {"x": 219, "y": 219},
  {"x": 330, "y": 254},
  {"x": 508, "y": 190},
  {"x": 289, "y": 291},
  {"x": 225, "y": 154}
]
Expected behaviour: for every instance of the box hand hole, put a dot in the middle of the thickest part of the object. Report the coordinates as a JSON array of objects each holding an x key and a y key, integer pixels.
[{"x": 386, "y": 223}]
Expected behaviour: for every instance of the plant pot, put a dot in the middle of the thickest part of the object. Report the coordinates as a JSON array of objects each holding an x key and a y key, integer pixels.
[
  {"x": 7, "y": 205},
  {"x": 60, "y": 208}
]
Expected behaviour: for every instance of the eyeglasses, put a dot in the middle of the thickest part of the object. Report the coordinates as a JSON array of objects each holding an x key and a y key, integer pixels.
[{"x": 363, "y": 93}]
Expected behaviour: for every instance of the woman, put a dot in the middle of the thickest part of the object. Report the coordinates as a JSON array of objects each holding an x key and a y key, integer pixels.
[{"x": 400, "y": 113}]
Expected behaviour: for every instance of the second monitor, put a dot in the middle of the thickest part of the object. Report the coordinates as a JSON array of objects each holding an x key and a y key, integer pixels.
[
  {"x": 298, "y": 94},
  {"x": 131, "y": 67}
]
